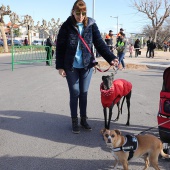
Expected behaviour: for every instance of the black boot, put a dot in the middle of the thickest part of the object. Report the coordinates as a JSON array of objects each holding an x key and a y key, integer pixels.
[
  {"x": 47, "y": 63},
  {"x": 84, "y": 123},
  {"x": 75, "y": 127}
]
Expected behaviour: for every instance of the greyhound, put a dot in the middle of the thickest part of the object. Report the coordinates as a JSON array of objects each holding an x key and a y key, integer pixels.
[{"x": 111, "y": 93}]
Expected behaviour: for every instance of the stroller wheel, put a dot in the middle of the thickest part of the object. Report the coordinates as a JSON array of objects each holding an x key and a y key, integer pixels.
[
  {"x": 165, "y": 151},
  {"x": 168, "y": 150}
]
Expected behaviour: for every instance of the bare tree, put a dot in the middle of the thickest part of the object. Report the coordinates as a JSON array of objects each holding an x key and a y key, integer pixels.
[
  {"x": 28, "y": 22},
  {"x": 3, "y": 12},
  {"x": 48, "y": 28},
  {"x": 55, "y": 26},
  {"x": 152, "y": 9},
  {"x": 162, "y": 35},
  {"x": 14, "y": 20},
  {"x": 43, "y": 28}
]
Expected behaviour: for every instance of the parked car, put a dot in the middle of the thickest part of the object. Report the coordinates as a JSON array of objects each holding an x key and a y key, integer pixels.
[
  {"x": 1, "y": 43},
  {"x": 45, "y": 42},
  {"x": 37, "y": 42},
  {"x": 22, "y": 42},
  {"x": 16, "y": 43}
]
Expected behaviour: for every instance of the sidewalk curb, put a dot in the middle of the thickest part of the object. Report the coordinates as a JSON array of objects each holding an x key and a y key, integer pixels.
[
  {"x": 5, "y": 54},
  {"x": 155, "y": 67}
]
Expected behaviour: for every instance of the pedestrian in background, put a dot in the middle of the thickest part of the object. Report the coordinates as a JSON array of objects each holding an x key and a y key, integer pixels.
[
  {"x": 109, "y": 40},
  {"x": 50, "y": 52},
  {"x": 152, "y": 47},
  {"x": 165, "y": 46},
  {"x": 120, "y": 33},
  {"x": 121, "y": 49},
  {"x": 75, "y": 61},
  {"x": 131, "y": 49},
  {"x": 26, "y": 41},
  {"x": 148, "y": 46},
  {"x": 137, "y": 47}
]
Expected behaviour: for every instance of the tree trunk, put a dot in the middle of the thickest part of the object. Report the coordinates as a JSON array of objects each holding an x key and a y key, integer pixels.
[
  {"x": 155, "y": 35},
  {"x": 4, "y": 37}
]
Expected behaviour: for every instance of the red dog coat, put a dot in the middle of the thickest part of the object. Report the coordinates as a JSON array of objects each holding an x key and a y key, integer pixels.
[{"x": 119, "y": 89}]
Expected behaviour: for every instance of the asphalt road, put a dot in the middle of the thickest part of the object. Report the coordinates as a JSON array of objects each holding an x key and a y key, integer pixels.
[{"x": 35, "y": 124}]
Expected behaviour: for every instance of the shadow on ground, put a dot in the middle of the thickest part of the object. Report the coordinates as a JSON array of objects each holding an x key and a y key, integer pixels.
[{"x": 57, "y": 127}]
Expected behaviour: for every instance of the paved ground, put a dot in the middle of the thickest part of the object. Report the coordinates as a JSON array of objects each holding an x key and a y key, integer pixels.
[{"x": 35, "y": 124}]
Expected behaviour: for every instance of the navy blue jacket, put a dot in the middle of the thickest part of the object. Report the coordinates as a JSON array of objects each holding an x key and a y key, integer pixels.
[{"x": 67, "y": 42}]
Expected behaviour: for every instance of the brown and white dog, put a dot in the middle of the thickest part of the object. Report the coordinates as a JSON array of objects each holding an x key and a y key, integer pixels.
[{"x": 148, "y": 146}]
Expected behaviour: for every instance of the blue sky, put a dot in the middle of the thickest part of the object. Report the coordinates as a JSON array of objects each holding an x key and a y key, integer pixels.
[{"x": 128, "y": 18}]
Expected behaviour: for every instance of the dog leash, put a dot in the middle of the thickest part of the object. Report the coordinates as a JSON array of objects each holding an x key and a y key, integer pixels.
[
  {"x": 81, "y": 38},
  {"x": 102, "y": 70},
  {"x": 154, "y": 127}
]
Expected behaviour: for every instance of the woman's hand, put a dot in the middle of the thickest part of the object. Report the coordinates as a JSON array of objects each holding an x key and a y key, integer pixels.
[
  {"x": 62, "y": 72},
  {"x": 114, "y": 62}
]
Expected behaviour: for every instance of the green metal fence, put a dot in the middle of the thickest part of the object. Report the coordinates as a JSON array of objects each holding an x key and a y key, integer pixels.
[{"x": 30, "y": 54}]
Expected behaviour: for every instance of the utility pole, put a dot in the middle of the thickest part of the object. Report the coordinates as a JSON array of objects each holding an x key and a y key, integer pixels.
[{"x": 93, "y": 10}]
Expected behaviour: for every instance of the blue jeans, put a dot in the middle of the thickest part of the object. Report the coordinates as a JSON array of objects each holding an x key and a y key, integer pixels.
[
  {"x": 78, "y": 82},
  {"x": 121, "y": 56}
]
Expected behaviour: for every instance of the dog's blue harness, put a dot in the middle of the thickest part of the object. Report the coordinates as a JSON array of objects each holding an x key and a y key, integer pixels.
[{"x": 130, "y": 145}]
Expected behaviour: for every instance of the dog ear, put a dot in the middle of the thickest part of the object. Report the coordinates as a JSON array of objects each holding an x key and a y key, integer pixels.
[
  {"x": 118, "y": 132},
  {"x": 102, "y": 131},
  {"x": 103, "y": 78}
]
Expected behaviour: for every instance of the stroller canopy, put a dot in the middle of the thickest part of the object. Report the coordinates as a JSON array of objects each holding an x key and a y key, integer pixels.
[
  {"x": 166, "y": 80},
  {"x": 164, "y": 108}
]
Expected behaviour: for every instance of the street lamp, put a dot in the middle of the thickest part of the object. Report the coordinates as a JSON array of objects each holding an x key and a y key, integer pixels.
[
  {"x": 117, "y": 22},
  {"x": 93, "y": 11}
]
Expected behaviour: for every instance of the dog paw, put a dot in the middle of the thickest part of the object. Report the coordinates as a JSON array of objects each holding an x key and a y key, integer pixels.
[
  {"x": 115, "y": 120},
  {"x": 127, "y": 124}
]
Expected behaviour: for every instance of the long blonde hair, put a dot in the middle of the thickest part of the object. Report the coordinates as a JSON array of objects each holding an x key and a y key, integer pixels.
[{"x": 79, "y": 5}]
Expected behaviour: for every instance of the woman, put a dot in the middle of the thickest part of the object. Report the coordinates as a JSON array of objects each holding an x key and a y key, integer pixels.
[
  {"x": 121, "y": 49},
  {"x": 75, "y": 62}
]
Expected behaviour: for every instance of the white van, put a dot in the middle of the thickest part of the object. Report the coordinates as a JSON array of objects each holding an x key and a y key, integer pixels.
[{"x": 37, "y": 42}]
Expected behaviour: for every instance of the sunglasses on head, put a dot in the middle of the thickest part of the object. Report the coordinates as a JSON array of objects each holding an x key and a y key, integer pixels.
[{"x": 79, "y": 13}]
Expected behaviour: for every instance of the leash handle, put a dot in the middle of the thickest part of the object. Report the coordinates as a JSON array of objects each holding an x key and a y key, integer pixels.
[{"x": 101, "y": 70}]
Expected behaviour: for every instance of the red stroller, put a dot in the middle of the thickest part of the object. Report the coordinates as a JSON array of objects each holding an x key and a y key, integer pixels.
[{"x": 164, "y": 110}]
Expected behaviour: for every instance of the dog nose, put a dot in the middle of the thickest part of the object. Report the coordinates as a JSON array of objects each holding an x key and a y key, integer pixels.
[{"x": 109, "y": 140}]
